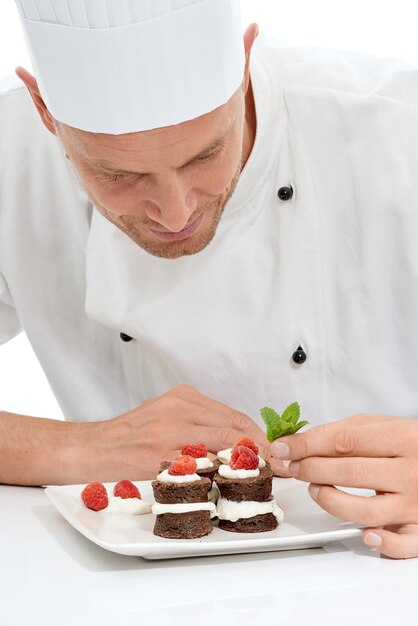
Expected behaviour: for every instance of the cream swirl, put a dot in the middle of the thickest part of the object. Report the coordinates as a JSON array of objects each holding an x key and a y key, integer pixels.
[
  {"x": 203, "y": 462},
  {"x": 226, "y": 471},
  {"x": 165, "y": 477}
]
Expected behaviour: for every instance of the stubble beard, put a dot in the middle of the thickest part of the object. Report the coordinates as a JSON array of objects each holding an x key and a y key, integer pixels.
[{"x": 176, "y": 249}]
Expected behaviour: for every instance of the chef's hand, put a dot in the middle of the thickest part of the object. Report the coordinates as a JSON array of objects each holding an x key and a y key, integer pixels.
[
  {"x": 364, "y": 451},
  {"x": 132, "y": 445}
]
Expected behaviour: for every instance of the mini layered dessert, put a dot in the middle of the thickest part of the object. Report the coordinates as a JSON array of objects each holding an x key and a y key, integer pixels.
[
  {"x": 182, "y": 507},
  {"x": 205, "y": 467},
  {"x": 246, "y": 503}
]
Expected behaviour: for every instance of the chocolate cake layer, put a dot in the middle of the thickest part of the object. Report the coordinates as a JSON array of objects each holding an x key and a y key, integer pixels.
[
  {"x": 183, "y": 525},
  {"x": 247, "y": 489},
  {"x": 209, "y": 472},
  {"x": 256, "y": 524},
  {"x": 174, "y": 493}
]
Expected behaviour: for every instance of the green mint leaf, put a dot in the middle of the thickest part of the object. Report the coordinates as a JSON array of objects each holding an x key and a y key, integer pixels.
[
  {"x": 269, "y": 416},
  {"x": 285, "y": 427},
  {"x": 279, "y": 425},
  {"x": 298, "y": 426},
  {"x": 270, "y": 434},
  {"x": 292, "y": 413}
]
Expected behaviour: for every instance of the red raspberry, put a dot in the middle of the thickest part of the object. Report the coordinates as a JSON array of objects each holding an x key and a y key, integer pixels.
[
  {"x": 95, "y": 496},
  {"x": 196, "y": 450},
  {"x": 125, "y": 489},
  {"x": 248, "y": 443},
  {"x": 183, "y": 465},
  {"x": 243, "y": 458}
]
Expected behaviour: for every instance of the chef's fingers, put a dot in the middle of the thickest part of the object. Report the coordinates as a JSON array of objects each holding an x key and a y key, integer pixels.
[
  {"x": 397, "y": 545},
  {"x": 230, "y": 427},
  {"x": 192, "y": 412},
  {"x": 363, "y": 419},
  {"x": 217, "y": 439},
  {"x": 205, "y": 411},
  {"x": 171, "y": 455},
  {"x": 220, "y": 415},
  {"x": 384, "y": 439},
  {"x": 363, "y": 473},
  {"x": 280, "y": 468},
  {"x": 368, "y": 511},
  {"x": 189, "y": 396}
]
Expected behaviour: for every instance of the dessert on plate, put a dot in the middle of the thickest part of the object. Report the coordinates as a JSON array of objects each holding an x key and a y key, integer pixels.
[
  {"x": 126, "y": 498},
  {"x": 246, "y": 503},
  {"x": 181, "y": 504},
  {"x": 206, "y": 467}
]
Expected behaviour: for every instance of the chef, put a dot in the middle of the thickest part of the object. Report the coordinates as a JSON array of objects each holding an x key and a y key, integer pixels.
[{"x": 194, "y": 225}]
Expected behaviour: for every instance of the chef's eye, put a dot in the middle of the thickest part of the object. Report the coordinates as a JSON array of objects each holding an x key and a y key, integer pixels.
[
  {"x": 210, "y": 156},
  {"x": 116, "y": 177},
  {"x": 127, "y": 178}
]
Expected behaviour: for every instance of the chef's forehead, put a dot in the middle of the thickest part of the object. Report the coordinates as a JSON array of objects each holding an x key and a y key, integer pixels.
[{"x": 187, "y": 138}]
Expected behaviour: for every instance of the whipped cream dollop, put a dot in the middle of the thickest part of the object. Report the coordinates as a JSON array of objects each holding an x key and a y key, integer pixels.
[
  {"x": 226, "y": 471},
  {"x": 165, "y": 477},
  {"x": 203, "y": 462},
  {"x": 225, "y": 457},
  {"x": 130, "y": 506},
  {"x": 233, "y": 511},
  {"x": 183, "y": 507}
]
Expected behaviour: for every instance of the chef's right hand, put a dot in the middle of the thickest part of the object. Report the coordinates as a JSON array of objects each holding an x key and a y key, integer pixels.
[{"x": 132, "y": 445}]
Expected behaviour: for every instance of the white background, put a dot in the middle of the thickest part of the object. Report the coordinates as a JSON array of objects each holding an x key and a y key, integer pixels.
[{"x": 384, "y": 28}]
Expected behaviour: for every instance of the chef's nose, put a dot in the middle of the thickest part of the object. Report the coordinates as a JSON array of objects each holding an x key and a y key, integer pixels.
[{"x": 173, "y": 205}]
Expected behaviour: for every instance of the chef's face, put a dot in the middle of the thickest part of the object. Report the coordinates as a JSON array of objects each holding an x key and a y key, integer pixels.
[{"x": 166, "y": 188}]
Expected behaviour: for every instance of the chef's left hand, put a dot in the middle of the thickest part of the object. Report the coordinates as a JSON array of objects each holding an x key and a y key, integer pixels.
[{"x": 364, "y": 451}]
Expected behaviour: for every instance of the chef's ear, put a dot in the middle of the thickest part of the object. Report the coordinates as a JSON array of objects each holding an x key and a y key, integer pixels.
[
  {"x": 250, "y": 36},
  {"x": 32, "y": 86}
]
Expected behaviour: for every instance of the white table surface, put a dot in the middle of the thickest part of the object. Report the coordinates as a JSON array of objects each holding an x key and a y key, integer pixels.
[{"x": 52, "y": 575}]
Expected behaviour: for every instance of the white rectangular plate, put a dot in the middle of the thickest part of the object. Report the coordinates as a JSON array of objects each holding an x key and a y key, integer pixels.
[{"x": 305, "y": 525}]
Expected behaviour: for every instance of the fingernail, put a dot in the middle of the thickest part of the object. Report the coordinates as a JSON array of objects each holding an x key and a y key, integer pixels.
[
  {"x": 280, "y": 450},
  {"x": 286, "y": 464},
  {"x": 313, "y": 490},
  {"x": 294, "y": 468},
  {"x": 373, "y": 540}
]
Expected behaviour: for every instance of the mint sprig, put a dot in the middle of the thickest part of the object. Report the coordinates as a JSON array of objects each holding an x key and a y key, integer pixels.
[{"x": 280, "y": 425}]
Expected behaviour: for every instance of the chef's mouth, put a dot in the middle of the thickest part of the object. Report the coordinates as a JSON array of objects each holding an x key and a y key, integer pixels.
[{"x": 181, "y": 234}]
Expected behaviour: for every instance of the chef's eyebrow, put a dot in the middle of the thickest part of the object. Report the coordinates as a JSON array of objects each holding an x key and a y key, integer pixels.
[{"x": 207, "y": 152}]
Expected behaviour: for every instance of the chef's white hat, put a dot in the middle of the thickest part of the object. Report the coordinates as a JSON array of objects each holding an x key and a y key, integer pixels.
[{"x": 121, "y": 66}]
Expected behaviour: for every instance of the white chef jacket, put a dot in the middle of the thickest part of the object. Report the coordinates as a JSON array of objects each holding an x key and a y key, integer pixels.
[{"x": 333, "y": 270}]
